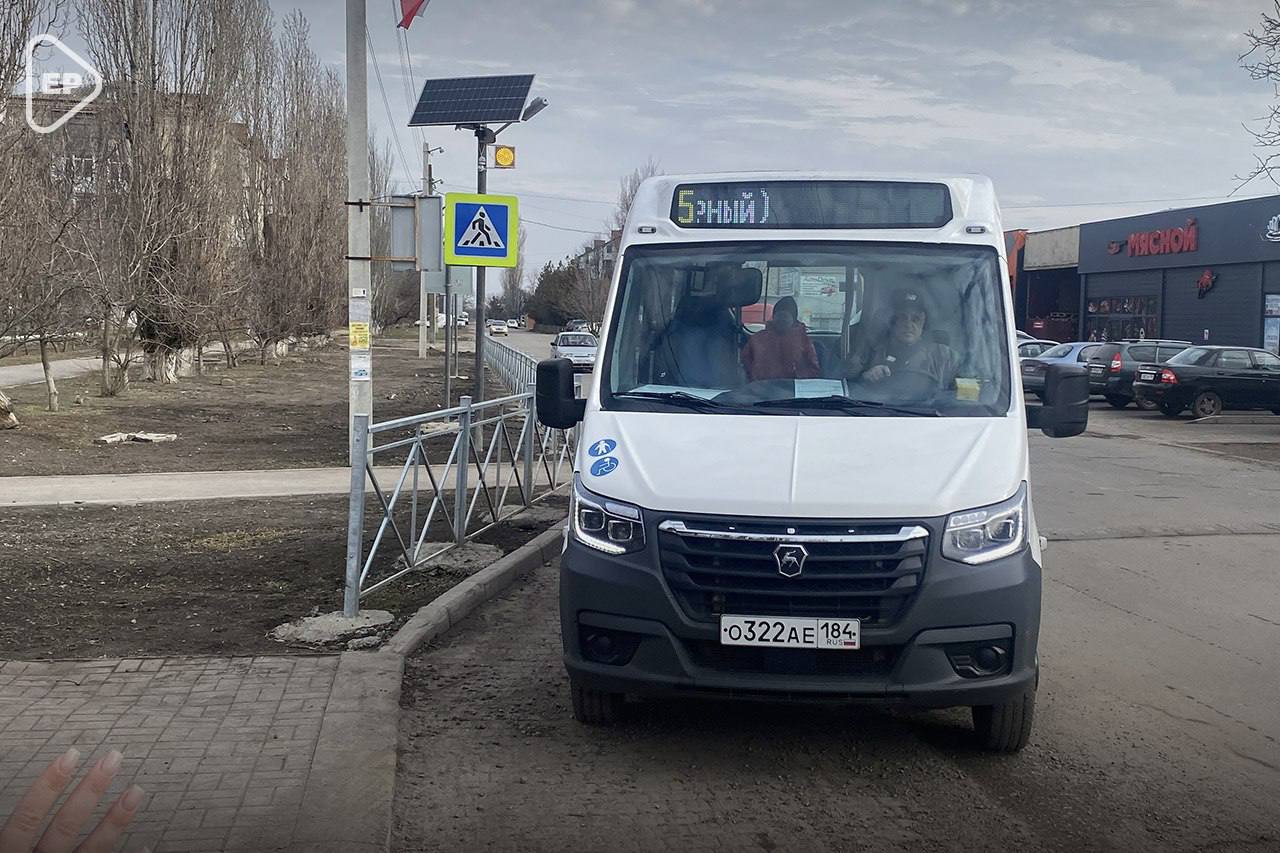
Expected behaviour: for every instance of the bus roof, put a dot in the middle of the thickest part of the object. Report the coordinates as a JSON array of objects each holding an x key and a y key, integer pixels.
[{"x": 974, "y": 215}]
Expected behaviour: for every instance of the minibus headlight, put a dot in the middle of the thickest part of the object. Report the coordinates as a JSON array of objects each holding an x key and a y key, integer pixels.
[
  {"x": 606, "y": 525},
  {"x": 987, "y": 533}
]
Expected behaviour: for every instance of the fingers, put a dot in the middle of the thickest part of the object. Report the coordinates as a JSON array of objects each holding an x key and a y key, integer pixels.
[
  {"x": 19, "y": 832},
  {"x": 107, "y": 833},
  {"x": 63, "y": 831}
]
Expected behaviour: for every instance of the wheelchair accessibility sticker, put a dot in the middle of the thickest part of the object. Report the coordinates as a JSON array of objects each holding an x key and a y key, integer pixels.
[
  {"x": 604, "y": 466},
  {"x": 603, "y": 447}
]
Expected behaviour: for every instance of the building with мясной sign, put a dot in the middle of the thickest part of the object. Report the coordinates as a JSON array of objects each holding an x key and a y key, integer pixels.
[{"x": 1207, "y": 274}]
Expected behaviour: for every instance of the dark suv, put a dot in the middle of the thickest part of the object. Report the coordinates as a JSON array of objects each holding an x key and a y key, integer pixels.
[{"x": 1112, "y": 366}]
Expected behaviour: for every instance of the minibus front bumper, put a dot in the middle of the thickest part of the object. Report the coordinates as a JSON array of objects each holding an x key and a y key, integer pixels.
[{"x": 624, "y": 630}]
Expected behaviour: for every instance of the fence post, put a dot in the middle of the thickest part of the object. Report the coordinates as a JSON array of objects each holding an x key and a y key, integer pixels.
[
  {"x": 355, "y": 516},
  {"x": 463, "y": 461},
  {"x": 416, "y": 448},
  {"x": 530, "y": 443}
]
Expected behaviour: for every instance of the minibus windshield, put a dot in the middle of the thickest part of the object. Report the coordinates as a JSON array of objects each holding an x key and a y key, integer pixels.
[{"x": 831, "y": 329}]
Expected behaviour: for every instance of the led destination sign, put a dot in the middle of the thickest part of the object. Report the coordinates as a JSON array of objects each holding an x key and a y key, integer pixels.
[{"x": 811, "y": 204}]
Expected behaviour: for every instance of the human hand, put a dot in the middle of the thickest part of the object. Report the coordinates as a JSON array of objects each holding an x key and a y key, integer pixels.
[
  {"x": 19, "y": 832},
  {"x": 875, "y": 374}
]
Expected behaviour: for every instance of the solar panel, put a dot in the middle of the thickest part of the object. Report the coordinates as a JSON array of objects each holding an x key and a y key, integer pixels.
[{"x": 472, "y": 100}]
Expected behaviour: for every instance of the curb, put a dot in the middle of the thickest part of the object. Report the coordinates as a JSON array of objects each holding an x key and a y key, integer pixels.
[{"x": 461, "y": 600}]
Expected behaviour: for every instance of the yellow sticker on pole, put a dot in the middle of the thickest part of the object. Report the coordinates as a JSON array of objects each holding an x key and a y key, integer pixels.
[{"x": 358, "y": 335}]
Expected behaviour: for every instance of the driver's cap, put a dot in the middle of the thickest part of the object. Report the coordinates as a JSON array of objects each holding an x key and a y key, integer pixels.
[{"x": 909, "y": 300}]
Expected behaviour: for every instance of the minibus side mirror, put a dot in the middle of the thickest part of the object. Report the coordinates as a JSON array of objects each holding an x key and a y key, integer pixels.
[
  {"x": 1066, "y": 402},
  {"x": 557, "y": 405}
]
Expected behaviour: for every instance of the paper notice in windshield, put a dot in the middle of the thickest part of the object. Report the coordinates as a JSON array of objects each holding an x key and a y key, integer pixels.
[
  {"x": 819, "y": 388},
  {"x": 967, "y": 389}
]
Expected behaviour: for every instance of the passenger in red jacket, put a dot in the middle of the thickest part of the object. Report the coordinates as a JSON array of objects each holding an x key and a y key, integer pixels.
[{"x": 781, "y": 350}]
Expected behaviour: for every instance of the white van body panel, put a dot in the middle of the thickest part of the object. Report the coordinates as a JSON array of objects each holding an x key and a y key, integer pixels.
[
  {"x": 821, "y": 467},
  {"x": 807, "y": 467}
]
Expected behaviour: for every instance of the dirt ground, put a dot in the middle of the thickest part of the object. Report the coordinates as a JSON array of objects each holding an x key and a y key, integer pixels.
[
  {"x": 210, "y": 577},
  {"x": 290, "y": 415}
]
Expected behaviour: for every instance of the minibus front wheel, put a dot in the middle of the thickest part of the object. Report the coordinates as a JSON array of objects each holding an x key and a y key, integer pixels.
[
  {"x": 594, "y": 707},
  {"x": 1005, "y": 727}
]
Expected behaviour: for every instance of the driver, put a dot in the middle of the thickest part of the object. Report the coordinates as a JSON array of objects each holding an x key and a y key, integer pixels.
[{"x": 905, "y": 348}]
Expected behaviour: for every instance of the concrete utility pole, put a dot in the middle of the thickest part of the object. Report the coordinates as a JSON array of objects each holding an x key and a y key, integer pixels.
[
  {"x": 426, "y": 302},
  {"x": 359, "y": 277}
]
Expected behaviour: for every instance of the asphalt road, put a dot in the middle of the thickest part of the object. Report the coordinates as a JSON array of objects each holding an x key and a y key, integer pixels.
[
  {"x": 12, "y": 376},
  {"x": 29, "y": 374},
  {"x": 533, "y": 344},
  {"x": 1157, "y": 724}
]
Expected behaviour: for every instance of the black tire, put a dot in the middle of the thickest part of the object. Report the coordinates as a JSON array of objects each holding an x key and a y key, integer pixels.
[
  {"x": 1117, "y": 401},
  {"x": 1146, "y": 405},
  {"x": 594, "y": 707},
  {"x": 1005, "y": 727},
  {"x": 1275, "y": 411},
  {"x": 1206, "y": 404},
  {"x": 1170, "y": 410}
]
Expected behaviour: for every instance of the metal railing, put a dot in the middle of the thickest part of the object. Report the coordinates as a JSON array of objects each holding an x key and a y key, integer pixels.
[{"x": 464, "y": 469}]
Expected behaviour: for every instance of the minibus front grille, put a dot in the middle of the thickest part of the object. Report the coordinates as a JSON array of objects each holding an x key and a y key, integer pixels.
[{"x": 850, "y": 572}]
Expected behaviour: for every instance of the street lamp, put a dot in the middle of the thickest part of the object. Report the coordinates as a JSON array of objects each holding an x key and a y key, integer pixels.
[{"x": 473, "y": 103}]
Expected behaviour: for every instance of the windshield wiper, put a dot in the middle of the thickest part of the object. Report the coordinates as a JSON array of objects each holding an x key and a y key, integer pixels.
[
  {"x": 681, "y": 398},
  {"x": 845, "y": 404}
]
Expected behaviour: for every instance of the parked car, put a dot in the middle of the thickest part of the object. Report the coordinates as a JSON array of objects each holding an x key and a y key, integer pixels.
[
  {"x": 1033, "y": 369},
  {"x": 463, "y": 319},
  {"x": 513, "y": 324},
  {"x": 1113, "y": 364},
  {"x": 496, "y": 327},
  {"x": 1210, "y": 379},
  {"x": 578, "y": 347},
  {"x": 1034, "y": 346},
  {"x": 576, "y": 326}
]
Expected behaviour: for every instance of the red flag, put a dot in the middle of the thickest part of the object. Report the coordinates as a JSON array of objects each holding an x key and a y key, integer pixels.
[{"x": 411, "y": 9}]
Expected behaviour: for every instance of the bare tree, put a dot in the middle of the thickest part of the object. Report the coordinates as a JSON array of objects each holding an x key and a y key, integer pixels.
[
  {"x": 299, "y": 280},
  {"x": 587, "y": 292},
  {"x": 627, "y": 191},
  {"x": 164, "y": 219},
  {"x": 513, "y": 293},
  {"x": 34, "y": 209},
  {"x": 1262, "y": 61}
]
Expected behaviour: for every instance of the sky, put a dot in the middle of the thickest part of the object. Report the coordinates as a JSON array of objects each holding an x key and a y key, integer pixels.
[{"x": 1078, "y": 109}]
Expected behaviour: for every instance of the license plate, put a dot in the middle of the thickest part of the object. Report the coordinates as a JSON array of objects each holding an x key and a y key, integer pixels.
[
  {"x": 1146, "y": 377},
  {"x": 789, "y": 632},
  {"x": 1097, "y": 371},
  {"x": 1028, "y": 368}
]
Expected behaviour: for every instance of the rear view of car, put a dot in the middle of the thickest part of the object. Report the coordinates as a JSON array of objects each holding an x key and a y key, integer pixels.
[
  {"x": 1208, "y": 380},
  {"x": 1034, "y": 369},
  {"x": 1113, "y": 366}
]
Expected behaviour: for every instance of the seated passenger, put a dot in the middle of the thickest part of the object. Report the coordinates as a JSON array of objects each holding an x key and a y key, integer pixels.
[
  {"x": 700, "y": 347},
  {"x": 905, "y": 350},
  {"x": 782, "y": 349}
]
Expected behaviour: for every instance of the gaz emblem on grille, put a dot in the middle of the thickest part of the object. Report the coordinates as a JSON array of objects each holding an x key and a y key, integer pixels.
[{"x": 790, "y": 559}]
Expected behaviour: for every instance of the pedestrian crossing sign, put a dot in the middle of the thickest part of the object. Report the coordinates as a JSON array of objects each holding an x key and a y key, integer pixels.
[{"x": 481, "y": 230}]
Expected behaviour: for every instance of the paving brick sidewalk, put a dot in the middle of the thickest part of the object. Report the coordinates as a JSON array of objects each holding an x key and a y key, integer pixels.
[{"x": 225, "y": 747}]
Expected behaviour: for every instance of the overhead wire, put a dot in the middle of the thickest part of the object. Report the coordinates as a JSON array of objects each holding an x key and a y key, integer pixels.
[
  {"x": 524, "y": 220},
  {"x": 407, "y": 79},
  {"x": 377, "y": 71}
]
